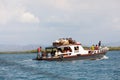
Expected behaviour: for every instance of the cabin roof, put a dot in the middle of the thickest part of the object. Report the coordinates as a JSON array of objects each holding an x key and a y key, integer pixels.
[
  {"x": 68, "y": 45},
  {"x": 50, "y": 47}
]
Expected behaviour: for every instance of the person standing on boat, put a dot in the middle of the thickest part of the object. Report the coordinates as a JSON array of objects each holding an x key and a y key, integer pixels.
[
  {"x": 96, "y": 47},
  {"x": 39, "y": 54},
  {"x": 99, "y": 44},
  {"x": 93, "y": 47}
]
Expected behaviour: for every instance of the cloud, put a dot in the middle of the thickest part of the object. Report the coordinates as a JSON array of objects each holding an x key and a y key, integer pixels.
[
  {"x": 5, "y": 15},
  {"x": 116, "y": 23},
  {"x": 61, "y": 4},
  {"x": 10, "y": 12},
  {"x": 27, "y": 17},
  {"x": 116, "y": 20},
  {"x": 60, "y": 18}
]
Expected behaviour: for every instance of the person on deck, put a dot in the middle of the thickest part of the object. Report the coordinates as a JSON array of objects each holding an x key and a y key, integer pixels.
[
  {"x": 99, "y": 44},
  {"x": 39, "y": 54},
  {"x": 92, "y": 47},
  {"x": 96, "y": 47}
]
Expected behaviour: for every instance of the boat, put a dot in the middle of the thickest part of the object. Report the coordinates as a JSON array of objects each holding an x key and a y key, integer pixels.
[{"x": 61, "y": 51}]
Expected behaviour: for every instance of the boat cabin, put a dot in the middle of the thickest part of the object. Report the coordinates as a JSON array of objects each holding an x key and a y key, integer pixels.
[
  {"x": 72, "y": 49},
  {"x": 65, "y": 50}
]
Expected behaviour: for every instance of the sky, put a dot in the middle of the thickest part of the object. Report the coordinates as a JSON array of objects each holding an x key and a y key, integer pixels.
[{"x": 24, "y": 22}]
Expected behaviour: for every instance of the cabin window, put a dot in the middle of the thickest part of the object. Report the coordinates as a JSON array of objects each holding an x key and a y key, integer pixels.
[
  {"x": 60, "y": 50},
  {"x": 69, "y": 49},
  {"x": 65, "y": 49},
  {"x": 49, "y": 50},
  {"x": 76, "y": 49}
]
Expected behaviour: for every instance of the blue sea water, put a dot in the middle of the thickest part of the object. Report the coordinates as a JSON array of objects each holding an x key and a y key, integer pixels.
[{"x": 22, "y": 67}]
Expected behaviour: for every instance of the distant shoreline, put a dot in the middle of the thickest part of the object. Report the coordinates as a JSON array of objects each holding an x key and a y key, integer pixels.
[
  {"x": 114, "y": 48},
  {"x": 110, "y": 48},
  {"x": 18, "y": 52},
  {"x": 35, "y": 51}
]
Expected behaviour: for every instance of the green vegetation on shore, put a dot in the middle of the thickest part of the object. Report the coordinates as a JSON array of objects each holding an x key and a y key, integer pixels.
[
  {"x": 114, "y": 48},
  {"x": 18, "y": 52},
  {"x": 35, "y": 51},
  {"x": 110, "y": 48}
]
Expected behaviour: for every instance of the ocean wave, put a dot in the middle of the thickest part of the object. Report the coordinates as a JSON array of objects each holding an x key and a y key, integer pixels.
[
  {"x": 27, "y": 60},
  {"x": 104, "y": 57}
]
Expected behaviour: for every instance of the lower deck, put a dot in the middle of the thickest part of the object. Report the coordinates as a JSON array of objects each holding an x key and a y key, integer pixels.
[{"x": 74, "y": 57}]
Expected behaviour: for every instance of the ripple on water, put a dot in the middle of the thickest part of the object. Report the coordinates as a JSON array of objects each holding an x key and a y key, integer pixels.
[{"x": 22, "y": 67}]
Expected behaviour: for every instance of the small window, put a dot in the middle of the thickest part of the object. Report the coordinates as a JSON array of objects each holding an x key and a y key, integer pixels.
[{"x": 76, "y": 49}]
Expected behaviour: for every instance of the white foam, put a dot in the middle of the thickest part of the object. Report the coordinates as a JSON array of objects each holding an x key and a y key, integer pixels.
[
  {"x": 24, "y": 61},
  {"x": 104, "y": 57},
  {"x": 27, "y": 60}
]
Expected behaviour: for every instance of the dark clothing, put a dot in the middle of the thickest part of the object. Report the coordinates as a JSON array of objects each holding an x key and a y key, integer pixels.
[{"x": 99, "y": 44}]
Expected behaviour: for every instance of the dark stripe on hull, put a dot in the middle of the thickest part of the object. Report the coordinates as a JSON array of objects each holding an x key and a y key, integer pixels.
[{"x": 78, "y": 57}]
